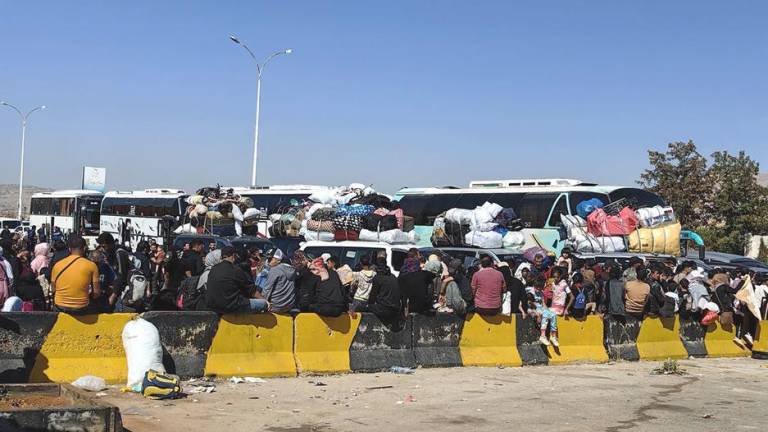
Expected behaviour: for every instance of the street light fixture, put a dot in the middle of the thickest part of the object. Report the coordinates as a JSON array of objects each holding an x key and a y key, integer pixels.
[
  {"x": 259, "y": 69},
  {"x": 24, "y": 118}
]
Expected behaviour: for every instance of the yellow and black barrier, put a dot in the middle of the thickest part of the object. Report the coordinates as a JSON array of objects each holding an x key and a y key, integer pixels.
[{"x": 45, "y": 346}]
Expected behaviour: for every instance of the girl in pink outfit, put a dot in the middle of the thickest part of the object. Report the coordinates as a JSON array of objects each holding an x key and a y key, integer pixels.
[{"x": 561, "y": 293}]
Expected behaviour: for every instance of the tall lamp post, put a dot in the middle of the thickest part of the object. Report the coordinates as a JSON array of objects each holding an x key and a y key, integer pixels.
[
  {"x": 259, "y": 69},
  {"x": 24, "y": 118}
]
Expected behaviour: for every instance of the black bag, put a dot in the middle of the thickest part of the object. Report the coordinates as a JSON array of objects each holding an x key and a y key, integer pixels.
[
  {"x": 371, "y": 222},
  {"x": 189, "y": 294},
  {"x": 388, "y": 222}
]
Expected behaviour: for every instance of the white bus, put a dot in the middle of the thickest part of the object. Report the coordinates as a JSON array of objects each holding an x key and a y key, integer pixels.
[
  {"x": 141, "y": 215},
  {"x": 537, "y": 202},
  {"x": 73, "y": 211}
]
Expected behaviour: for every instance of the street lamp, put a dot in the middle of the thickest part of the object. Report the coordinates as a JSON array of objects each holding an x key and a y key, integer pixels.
[
  {"x": 24, "y": 118},
  {"x": 259, "y": 69}
]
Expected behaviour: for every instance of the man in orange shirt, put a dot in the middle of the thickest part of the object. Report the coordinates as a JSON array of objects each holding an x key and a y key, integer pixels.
[{"x": 75, "y": 280}]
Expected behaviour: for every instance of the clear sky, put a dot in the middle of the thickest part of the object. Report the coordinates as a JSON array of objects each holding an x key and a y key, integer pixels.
[{"x": 386, "y": 93}]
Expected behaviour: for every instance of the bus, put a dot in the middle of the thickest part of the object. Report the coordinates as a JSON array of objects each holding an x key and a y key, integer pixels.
[
  {"x": 73, "y": 211},
  {"x": 537, "y": 202},
  {"x": 142, "y": 215},
  {"x": 9, "y": 223}
]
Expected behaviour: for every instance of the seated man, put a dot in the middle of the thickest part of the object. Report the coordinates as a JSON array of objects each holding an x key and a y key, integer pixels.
[
  {"x": 230, "y": 289},
  {"x": 75, "y": 281}
]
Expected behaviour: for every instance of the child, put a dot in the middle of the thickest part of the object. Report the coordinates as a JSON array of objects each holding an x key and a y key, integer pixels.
[
  {"x": 539, "y": 309},
  {"x": 561, "y": 293}
]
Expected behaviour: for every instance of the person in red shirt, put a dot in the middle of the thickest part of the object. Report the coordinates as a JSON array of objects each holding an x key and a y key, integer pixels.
[{"x": 488, "y": 287}]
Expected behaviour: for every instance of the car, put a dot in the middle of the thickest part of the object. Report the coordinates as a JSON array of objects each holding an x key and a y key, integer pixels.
[
  {"x": 620, "y": 257},
  {"x": 727, "y": 261},
  {"x": 350, "y": 252},
  {"x": 10, "y": 224}
]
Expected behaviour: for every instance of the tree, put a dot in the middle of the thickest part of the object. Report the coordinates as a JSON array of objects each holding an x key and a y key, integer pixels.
[
  {"x": 679, "y": 176},
  {"x": 738, "y": 203}
]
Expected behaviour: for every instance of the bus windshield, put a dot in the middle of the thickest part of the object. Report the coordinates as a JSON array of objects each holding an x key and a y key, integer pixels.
[{"x": 90, "y": 211}]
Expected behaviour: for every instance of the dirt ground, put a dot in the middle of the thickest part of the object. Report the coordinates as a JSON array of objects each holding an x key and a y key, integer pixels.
[{"x": 716, "y": 394}]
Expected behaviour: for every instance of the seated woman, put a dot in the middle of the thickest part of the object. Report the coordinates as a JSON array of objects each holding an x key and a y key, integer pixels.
[{"x": 329, "y": 298}]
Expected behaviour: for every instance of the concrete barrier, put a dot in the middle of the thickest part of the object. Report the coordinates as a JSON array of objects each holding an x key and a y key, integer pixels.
[
  {"x": 186, "y": 338},
  {"x": 760, "y": 347},
  {"x": 489, "y": 341},
  {"x": 692, "y": 335},
  {"x": 620, "y": 335},
  {"x": 436, "y": 340},
  {"x": 377, "y": 347},
  {"x": 22, "y": 334},
  {"x": 719, "y": 341},
  {"x": 527, "y": 333},
  {"x": 255, "y": 344},
  {"x": 321, "y": 344},
  {"x": 659, "y": 339},
  {"x": 83, "y": 345},
  {"x": 581, "y": 340}
]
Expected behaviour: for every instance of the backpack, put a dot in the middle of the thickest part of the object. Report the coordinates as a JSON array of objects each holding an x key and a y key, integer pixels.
[
  {"x": 580, "y": 302},
  {"x": 157, "y": 385},
  {"x": 189, "y": 295},
  {"x": 137, "y": 285}
]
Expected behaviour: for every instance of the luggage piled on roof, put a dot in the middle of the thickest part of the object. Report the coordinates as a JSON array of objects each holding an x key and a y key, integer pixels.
[
  {"x": 211, "y": 206},
  {"x": 487, "y": 226},
  {"x": 355, "y": 212},
  {"x": 617, "y": 227}
]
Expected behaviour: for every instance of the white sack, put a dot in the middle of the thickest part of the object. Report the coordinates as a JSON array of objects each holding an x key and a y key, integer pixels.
[
  {"x": 251, "y": 213},
  {"x": 237, "y": 214},
  {"x": 186, "y": 228},
  {"x": 484, "y": 239},
  {"x": 459, "y": 216},
  {"x": 591, "y": 244},
  {"x": 316, "y": 235},
  {"x": 492, "y": 208},
  {"x": 513, "y": 240},
  {"x": 143, "y": 350},
  {"x": 394, "y": 236}
]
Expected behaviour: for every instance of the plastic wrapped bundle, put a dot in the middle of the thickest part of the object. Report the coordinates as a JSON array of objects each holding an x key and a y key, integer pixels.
[
  {"x": 574, "y": 225},
  {"x": 394, "y": 236},
  {"x": 664, "y": 239},
  {"x": 484, "y": 239},
  {"x": 650, "y": 217},
  {"x": 588, "y": 243},
  {"x": 316, "y": 235},
  {"x": 513, "y": 240},
  {"x": 459, "y": 216}
]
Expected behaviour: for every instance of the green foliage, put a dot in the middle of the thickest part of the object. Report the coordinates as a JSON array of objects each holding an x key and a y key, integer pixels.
[
  {"x": 669, "y": 367},
  {"x": 723, "y": 201}
]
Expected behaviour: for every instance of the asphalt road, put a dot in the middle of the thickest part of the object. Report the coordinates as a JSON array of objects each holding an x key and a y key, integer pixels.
[{"x": 715, "y": 394}]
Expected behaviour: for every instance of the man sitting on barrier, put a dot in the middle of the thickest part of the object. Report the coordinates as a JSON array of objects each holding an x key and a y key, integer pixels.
[
  {"x": 75, "y": 281},
  {"x": 488, "y": 287},
  {"x": 384, "y": 299},
  {"x": 229, "y": 289},
  {"x": 328, "y": 299},
  {"x": 280, "y": 287}
]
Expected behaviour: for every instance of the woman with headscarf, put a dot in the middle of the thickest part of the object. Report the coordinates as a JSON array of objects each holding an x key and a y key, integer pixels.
[
  {"x": 724, "y": 296},
  {"x": 41, "y": 259},
  {"x": 213, "y": 258},
  {"x": 27, "y": 287},
  {"x": 306, "y": 282},
  {"x": 414, "y": 286},
  {"x": 385, "y": 299},
  {"x": 452, "y": 297},
  {"x": 174, "y": 270},
  {"x": 329, "y": 298}
]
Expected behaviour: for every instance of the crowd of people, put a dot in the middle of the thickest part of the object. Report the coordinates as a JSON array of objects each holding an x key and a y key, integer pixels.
[{"x": 66, "y": 277}]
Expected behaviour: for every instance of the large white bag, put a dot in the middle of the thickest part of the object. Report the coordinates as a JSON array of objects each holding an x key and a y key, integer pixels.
[
  {"x": 143, "y": 350},
  {"x": 590, "y": 244},
  {"x": 315, "y": 235},
  {"x": 459, "y": 216},
  {"x": 394, "y": 236},
  {"x": 484, "y": 239},
  {"x": 513, "y": 240},
  {"x": 492, "y": 208}
]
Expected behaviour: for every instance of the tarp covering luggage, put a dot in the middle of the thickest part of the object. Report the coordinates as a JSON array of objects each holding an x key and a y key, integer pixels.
[{"x": 600, "y": 223}]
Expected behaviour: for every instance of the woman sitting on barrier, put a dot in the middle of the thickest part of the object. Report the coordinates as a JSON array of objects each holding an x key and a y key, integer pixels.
[{"x": 329, "y": 299}]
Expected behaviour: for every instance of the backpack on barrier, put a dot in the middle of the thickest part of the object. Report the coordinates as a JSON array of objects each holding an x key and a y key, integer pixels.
[
  {"x": 160, "y": 386},
  {"x": 580, "y": 302}
]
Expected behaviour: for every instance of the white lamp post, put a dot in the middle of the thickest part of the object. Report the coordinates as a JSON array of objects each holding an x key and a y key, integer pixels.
[
  {"x": 24, "y": 118},
  {"x": 259, "y": 69}
]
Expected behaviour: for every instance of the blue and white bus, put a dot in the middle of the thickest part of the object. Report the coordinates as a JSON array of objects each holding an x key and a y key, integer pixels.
[
  {"x": 142, "y": 215},
  {"x": 538, "y": 202}
]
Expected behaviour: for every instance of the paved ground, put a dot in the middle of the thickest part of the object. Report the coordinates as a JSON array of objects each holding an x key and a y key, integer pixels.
[{"x": 717, "y": 394}]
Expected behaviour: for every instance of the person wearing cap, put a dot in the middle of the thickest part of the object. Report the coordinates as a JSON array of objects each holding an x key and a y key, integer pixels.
[
  {"x": 229, "y": 289},
  {"x": 280, "y": 287}
]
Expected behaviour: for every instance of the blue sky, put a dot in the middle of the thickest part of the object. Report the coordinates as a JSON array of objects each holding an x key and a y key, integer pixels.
[{"x": 386, "y": 93}]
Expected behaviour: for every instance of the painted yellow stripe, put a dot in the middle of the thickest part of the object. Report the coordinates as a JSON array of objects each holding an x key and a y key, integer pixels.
[
  {"x": 321, "y": 344},
  {"x": 83, "y": 345},
  {"x": 659, "y": 339},
  {"x": 580, "y": 341},
  {"x": 252, "y": 344},
  {"x": 719, "y": 342},
  {"x": 761, "y": 338},
  {"x": 489, "y": 341}
]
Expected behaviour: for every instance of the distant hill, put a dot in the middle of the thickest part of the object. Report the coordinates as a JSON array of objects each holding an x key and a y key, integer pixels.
[
  {"x": 9, "y": 198},
  {"x": 762, "y": 178}
]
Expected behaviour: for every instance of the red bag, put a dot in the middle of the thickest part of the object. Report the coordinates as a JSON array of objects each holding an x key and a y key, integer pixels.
[
  {"x": 600, "y": 223},
  {"x": 709, "y": 318},
  {"x": 341, "y": 235}
]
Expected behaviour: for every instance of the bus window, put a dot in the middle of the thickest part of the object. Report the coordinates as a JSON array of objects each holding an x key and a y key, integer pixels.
[
  {"x": 560, "y": 208},
  {"x": 534, "y": 209},
  {"x": 637, "y": 198},
  {"x": 415, "y": 206},
  {"x": 40, "y": 206},
  {"x": 63, "y": 206},
  {"x": 574, "y": 198}
]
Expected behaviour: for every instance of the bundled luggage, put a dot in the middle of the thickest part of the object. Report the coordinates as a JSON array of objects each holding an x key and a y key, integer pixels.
[
  {"x": 487, "y": 226},
  {"x": 600, "y": 223},
  {"x": 664, "y": 239}
]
